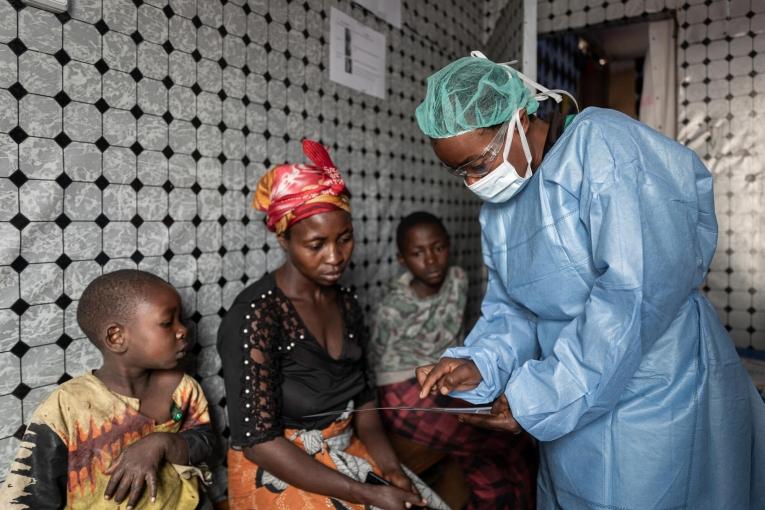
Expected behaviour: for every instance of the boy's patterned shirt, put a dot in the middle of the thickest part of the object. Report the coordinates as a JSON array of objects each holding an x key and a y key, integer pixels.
[
  {"x": 79, "y": 430},
  {"x": 409, "y": 331}
]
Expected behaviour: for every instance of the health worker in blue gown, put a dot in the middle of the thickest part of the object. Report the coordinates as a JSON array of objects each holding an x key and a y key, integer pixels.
[{"x": 597, "y": 232}]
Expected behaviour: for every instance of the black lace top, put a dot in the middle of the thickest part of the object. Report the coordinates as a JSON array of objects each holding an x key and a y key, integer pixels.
[{"x": 276, "y": 372}]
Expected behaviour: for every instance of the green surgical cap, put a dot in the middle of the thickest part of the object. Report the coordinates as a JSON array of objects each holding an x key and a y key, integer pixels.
[{"x": 471, "y": 93}]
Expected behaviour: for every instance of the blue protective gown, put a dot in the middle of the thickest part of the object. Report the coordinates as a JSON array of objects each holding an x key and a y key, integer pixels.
[{"x": 593, "y": 327}]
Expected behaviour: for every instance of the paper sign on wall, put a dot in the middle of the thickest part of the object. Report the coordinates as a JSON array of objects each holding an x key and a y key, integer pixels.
[
  {"x": 389, "y": 10},
  {"x": 356, "y": 55}
]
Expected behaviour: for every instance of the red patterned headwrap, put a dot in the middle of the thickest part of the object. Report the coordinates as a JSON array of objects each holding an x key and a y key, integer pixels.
[{"x": 290, "y": 193}]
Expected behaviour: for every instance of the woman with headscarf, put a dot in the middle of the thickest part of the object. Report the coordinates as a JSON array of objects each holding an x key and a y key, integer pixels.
[
  {"x": 594, "y": 336},
  {"x": 292, "y": 348}
]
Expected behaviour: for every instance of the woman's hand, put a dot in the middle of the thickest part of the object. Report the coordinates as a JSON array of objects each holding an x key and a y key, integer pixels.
[
  {"x": 389, "y": 497},
  {"x": 398, "y": 478},
  {"x": 501, "y": 418},
  {"x": 449, "y": 374},
  {"x": 135, "y": 468}
]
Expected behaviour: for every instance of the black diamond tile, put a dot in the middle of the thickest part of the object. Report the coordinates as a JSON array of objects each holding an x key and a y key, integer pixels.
[
  {"x": 137, "y": 148},
  {"x": 245, "y": 159},
  {"x": 62, "y": 221},
  {"x": 168, "y": 82},
  {"x": 168, "y": 11},
  {"x": 102, "y": 182},
  {"x": 22, "y": 390},
  {"x": 222, "y": 189},
  {"x": 64, "y": 341},
  {"x": 101, "y": 26},
  {"x": 18, "y": 91},
  {"x": 18, "y": 178},
  {"x": 246, "y": 39},
  {"x": 196, "y": 188},
  {"x": 267, "y": 105},
  {"x": 245, "y": 248},
  {"x": 63, "y": 261},
  {"x": 19, "y": 221},
  {"x": 196, "y": 155},
  {"x": 62, "y": 140},
  {"x": 102, "y": 259},
  {"x": 196, "y": 317},
  {"x": 136, "y": 111},
  {"x": 266, "y": 248},
  {"x": 222, "y": 158},
  {"x": 168, "y": 152},
  {"x": 222, "y": 251},
  {"x": 196, "y": 221},
  {"x": 102, "y": 220},
  {"x": 196, "y": 122},
  {"x": 245, "y": 221},
  {"x": 222, "y": 220},
  {"x": 168, "y": 187},
  {"x": 19, "y": 307},
  {"x": 246, "y": 100},
  {"x": 137, "y": 221},
  {"x": 222, "y": 31},
  {"x": 168, "y": 255},
  {"x": 196, "y": 89},
  {"x": 137, "y": 257},
  {"x": 168, "y": 118},
  {"x": 136, "y": 184},
  {"x": 17, "y": 47},
  {"x": 168, "y": 47},
  {"x": 65, "y": 377},
  {"x": 63, "y": 180},
  {"x": 136, "y": 74},
  {"x": 222, "y": 283},
  {"x": 19, "y": 264},
  {"x": 18, "y": 135},
  {"x": 222, "y": 63},
  {"x": 196, "y": 55},
  {"x": 266, "y": 134},
  {"x": 62, "y": 57},
  {"x": 267, "y": 76},
  {"x": 222, "y": 126},
  {"x": 222, "y": 95},
  {"x": 19, "y": 350},
  {"x": 136, "y": 37},
  {"x": 102, "y": 106}
]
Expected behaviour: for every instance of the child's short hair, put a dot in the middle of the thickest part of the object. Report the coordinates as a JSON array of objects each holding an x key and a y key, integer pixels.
[
  {"x": 112, "y": 297},
  {"x": 414, "y": 219}
]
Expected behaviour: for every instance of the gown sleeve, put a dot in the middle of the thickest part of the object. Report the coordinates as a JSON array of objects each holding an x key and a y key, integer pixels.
[
  {"x": 645, "y": 243},
  {"x": 503, "y": 338}
]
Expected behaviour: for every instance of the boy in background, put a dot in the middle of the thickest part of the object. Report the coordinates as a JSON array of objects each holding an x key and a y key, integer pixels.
[
  {"x": 136, "y": 425},
  {"x": 420, "y": 317}
]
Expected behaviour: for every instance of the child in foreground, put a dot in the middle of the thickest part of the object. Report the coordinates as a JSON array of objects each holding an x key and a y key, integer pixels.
[
  {"x": 136, "y": 429},
  {"x": 419, "y": 318}
]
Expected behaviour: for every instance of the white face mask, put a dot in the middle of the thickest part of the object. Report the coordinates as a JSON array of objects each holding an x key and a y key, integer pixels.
[{"x": 503, "y": 182}]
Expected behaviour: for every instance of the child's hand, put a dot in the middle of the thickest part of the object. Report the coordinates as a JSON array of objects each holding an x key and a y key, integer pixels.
[
  {"x": 136, "y": 467},
  {"x": 449, "y": 374}
]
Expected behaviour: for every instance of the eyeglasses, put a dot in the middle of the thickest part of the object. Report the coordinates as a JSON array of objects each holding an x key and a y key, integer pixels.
[{"x": 477, "y": 167}]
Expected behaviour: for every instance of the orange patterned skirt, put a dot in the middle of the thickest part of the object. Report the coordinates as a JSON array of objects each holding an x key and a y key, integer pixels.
[{"x": 251, "y": 487}]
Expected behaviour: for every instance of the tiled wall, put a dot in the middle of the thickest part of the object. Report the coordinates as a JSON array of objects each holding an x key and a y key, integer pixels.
[
  {"x": 721, "y": 114},
  {"x": 132, "y": 134}
]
